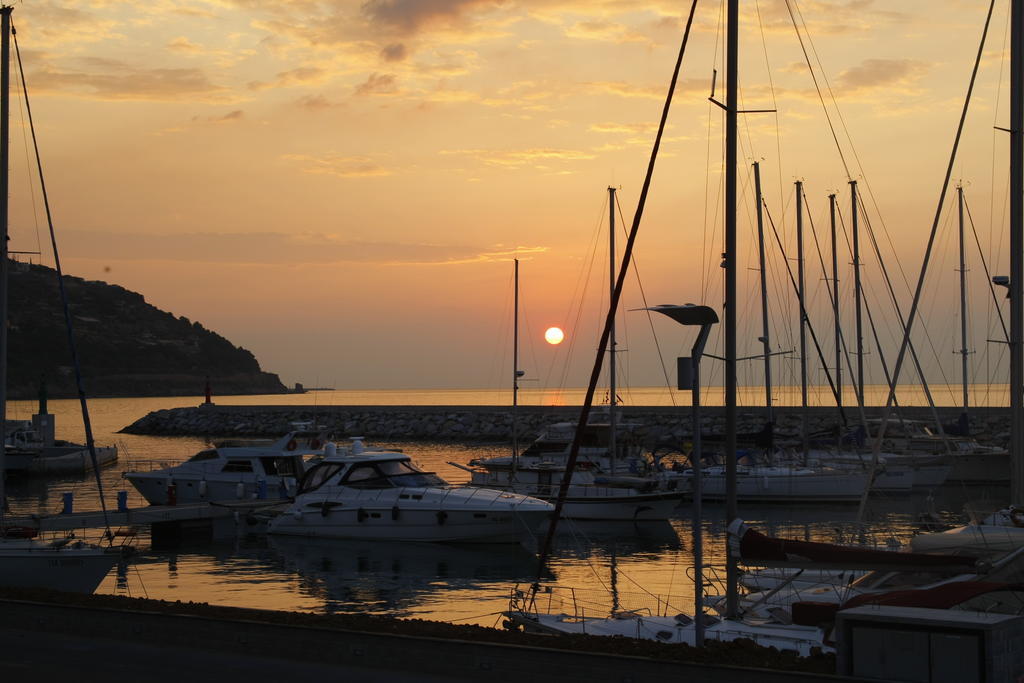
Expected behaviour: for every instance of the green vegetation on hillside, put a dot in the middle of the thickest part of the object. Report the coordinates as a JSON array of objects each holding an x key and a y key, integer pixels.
[{"x": 126, "y": 346}]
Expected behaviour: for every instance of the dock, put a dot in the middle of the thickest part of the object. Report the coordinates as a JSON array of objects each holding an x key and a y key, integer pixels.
[{"x": 169, "y": 524}]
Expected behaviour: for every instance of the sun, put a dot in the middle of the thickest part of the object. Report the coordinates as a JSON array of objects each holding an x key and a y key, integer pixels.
[{"x": 554, "y": 335}]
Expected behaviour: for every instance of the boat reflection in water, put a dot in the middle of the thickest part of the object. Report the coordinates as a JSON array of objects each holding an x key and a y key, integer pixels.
[{"x": 397, "y": 579}]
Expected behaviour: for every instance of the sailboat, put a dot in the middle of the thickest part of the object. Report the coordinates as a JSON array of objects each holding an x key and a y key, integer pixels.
[
  {"x": 1005, "y": 528},
  {"x": 598, "y": 490},
  {"x": 67, "y": 564},
  {"x": 804, "y": 637}
]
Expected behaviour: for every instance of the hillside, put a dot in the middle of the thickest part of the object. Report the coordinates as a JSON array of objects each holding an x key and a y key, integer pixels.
[{"x": 126, "y": 346}]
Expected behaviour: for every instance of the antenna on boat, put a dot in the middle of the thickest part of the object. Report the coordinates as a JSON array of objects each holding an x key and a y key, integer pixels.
[
  {"x": 516, "y": 373},
  {"x": 5, "y": 109},
  {"x": 858, "y": 303},
  {"x": 1016, "y": 284},
  {"x": 765, "y": 322},
  {"x": 69, "y": 327},
  {"x": 801, "y": 295},
  {"x": 611, "y": 334},
  {"x": 729, "y": 262}
]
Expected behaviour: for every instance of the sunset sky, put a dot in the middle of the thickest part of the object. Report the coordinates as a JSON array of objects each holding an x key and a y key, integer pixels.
[{"x": 340, "y": 186}]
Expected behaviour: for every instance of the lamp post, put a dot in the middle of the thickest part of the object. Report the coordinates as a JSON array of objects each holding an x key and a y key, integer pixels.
[{"x": 689, "y": 378}]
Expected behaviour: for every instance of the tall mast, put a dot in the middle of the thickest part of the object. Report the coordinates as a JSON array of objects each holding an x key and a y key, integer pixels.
[
  {"x": 731, "y": 111},
  {"x": 765, "y": 340},
  {"x": 838, "y": 332},
  {"x": 611, "y": 335},
  {"x": 515, "y": 367},
  {"x": 803, "y": 315},
  {"x": 858, "y": 305},
  {"x": 963, "y": 299},
  {"x": 5, "y": 115},
  {"x": 1016, "y": 252}
]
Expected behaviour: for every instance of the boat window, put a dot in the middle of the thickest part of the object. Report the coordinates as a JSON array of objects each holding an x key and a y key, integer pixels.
[
  {"x": 391, "y": 473},
  {"x": 319, "y": 475},
  {"x": 404, "y": 473},
  {"x": 288, "y": 466},
  {"x": 237, "y": 466},
  {"x": 542, "y": 447},
  {"x": 210, "y": 454}
]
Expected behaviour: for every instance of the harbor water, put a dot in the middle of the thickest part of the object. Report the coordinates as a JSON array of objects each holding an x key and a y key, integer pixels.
[{"x": 596, "y": 567}]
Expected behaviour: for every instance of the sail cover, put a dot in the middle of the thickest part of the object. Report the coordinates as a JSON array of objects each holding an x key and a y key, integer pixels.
[{"x": 755, "y": 548}]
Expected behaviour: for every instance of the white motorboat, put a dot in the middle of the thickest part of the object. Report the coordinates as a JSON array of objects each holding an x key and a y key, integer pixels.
[
  {"x": 356, "y": 492},
  {"x": 587, "y": 496},
  {"x": 233, "y": 470},
  {"x": 626, "y": 486},
  {"x": 786, "y": 484},
  {"x": 804, "y": 640},
  {"x": 32, "y": 449},
  {"x": 1000, "y": 532}
]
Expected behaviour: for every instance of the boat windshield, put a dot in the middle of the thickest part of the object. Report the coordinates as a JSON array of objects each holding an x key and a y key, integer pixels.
[
  {"x": 210, "y": 454},
  {"x": 318, "y": 476},
  {"x": 390, "y": 474}
]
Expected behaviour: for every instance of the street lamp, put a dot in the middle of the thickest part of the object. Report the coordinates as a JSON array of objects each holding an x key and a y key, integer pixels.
[{"x": 688, "y": 370}]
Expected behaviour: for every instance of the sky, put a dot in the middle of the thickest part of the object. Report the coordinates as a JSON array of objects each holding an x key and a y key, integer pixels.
[{"x": 341, "y": 187}]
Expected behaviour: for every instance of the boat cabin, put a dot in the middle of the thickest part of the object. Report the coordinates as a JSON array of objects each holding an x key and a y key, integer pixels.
[
  {"x": 376, "y": 471},
  {"x": 255, "y": 461}
]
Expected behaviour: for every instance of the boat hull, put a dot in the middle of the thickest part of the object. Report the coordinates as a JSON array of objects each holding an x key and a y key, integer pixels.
[
  {"x": 59, "y": 460},
  {"x": 456, "y": 514},
  {"x": 803, "y": 640},
  {"x": 191, "y": 488},
  {"x": 28, "y": 564},
  {"x": 833, "y": 487}
]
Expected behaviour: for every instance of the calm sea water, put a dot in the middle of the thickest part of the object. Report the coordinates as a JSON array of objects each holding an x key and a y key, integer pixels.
[{"x": 605, "y": 564}]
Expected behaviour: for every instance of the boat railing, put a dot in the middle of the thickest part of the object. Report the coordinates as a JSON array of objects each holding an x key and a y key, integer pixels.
[
  {"x": 149, "y": 465},
  {"x": 581, "y": 605}
]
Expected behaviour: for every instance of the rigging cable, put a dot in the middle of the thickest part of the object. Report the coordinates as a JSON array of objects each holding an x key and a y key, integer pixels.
[
  {"x": 63, "y": 295},
  {"x": 650, "y": 318},
  {"x": 610, "y": 319},
  {"x": 927, "y": 255}
]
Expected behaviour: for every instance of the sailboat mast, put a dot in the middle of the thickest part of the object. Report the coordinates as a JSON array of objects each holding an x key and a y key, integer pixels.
[
  {"x": 1017, "y": 252},
  {"x": 731, "y": 139},
  {"x": 858, "y": 304},
  {"x": 611, "y": 334},
  {"x": 803, "y": 315},
  {"x": 766, "y": 345},
  {"x": 837, "y": 332},
  {"x": 963, "y": 298},
  {"x": 515, "y": 367},
  {"x": 5, "y": 114}
]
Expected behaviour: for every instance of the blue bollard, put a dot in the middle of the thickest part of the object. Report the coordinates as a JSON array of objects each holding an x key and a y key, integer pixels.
[
  {"x": 69, "y": 503},
  {"x": 122, "y": 501}
]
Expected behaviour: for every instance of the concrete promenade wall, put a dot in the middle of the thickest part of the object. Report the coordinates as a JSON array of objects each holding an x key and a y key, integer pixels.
[
  {"x": 494, "y": 423},
  {"x": 120, "y": 630}
]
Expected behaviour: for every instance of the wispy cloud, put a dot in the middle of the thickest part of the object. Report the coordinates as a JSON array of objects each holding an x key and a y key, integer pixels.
[
  {"x": 341, "y": 166},
  {"x": 109, "y": 79},
  {"x": 876, "y": 73},
  {"x": 301, "y": 76},
  {"x": 535, "y": 157},
  {"x": 378, "y": 84},
  {"x": 279, "y": 248}
]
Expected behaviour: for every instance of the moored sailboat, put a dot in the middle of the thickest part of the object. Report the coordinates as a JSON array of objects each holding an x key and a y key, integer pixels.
[{"x": 66, "y": 564}]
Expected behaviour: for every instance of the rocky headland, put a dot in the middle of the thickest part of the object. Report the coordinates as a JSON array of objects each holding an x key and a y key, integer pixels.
[{"x": 126, "y": 346}]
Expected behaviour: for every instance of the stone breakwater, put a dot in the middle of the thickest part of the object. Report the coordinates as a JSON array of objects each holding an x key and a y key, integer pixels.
[{"x": 494, "y": 423}]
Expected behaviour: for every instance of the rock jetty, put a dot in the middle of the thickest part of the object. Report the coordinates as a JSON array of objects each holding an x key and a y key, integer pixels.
[{"x": 494, "y": 423}]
